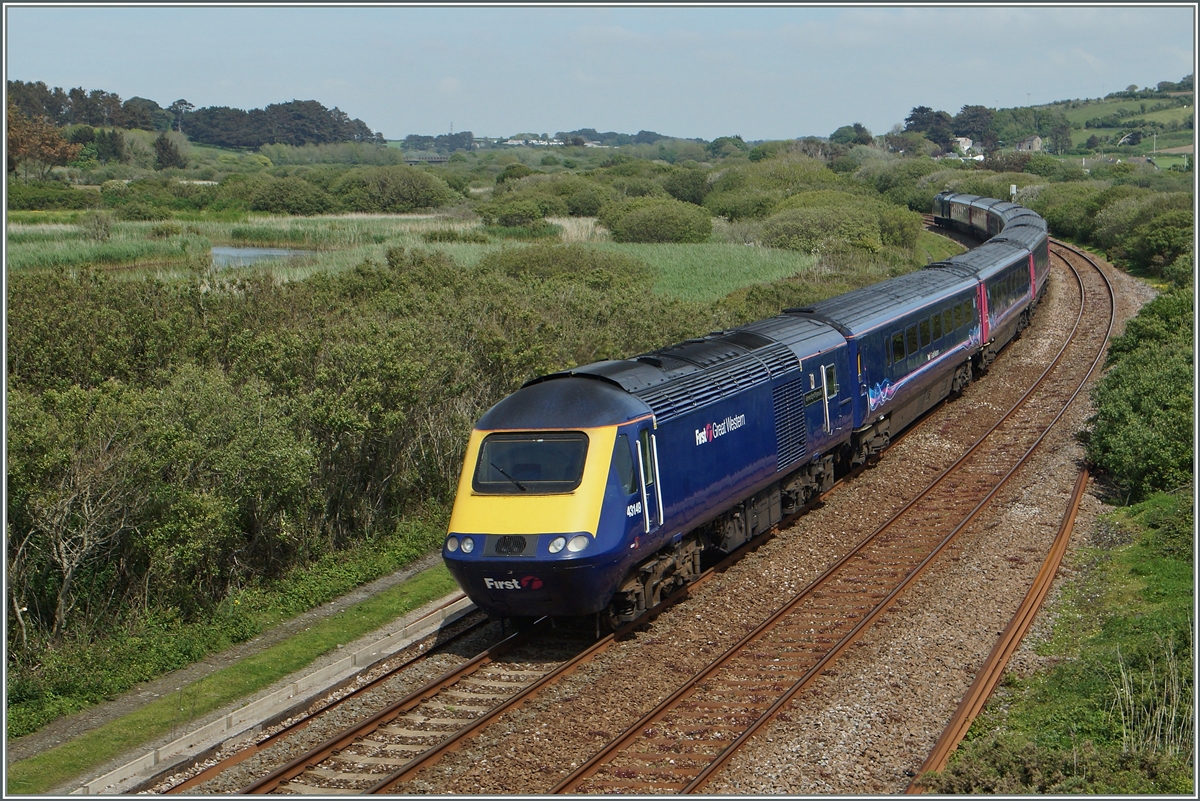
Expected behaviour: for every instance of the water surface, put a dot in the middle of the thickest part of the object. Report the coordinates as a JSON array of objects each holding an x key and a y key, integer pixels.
[{"x": 240, "y": 257}]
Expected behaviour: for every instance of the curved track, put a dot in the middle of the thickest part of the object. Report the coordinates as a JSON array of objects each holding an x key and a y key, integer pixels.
[
  {"x": 678, "y": 746},
  {"x": 993, "y": 668}
]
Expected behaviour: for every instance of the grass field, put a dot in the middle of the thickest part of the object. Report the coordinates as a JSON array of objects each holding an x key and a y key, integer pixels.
[{"x": 1082, "y": 114}]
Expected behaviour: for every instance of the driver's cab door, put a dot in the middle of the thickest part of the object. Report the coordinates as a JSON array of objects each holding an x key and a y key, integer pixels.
[{"x": 648, "y": 478}]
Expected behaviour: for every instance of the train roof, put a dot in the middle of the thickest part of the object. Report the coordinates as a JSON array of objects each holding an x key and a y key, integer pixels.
[
  {"x": 1022, "y": 235},
  {"x": 1010, "y": 213},
  {"x": 862, "y": 310},
  {"x": 983, "y": 261},
  {"x": 678, "y": 378}
]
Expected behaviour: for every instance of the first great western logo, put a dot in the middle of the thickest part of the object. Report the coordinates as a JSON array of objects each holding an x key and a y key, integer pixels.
[{"x": 719, "y": 429}]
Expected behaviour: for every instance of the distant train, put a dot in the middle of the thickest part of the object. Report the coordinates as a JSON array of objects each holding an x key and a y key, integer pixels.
[{"x": 594, "y": 491}]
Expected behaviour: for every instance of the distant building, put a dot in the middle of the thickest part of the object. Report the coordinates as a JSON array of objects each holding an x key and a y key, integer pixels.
[
  {"x": 1032, "y": 144},
  {"x": 964, "y": 143}
]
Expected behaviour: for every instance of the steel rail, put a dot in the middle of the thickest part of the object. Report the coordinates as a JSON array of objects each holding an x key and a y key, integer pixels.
[
  {"x": 993, "y": 667},
  {"x": 316, "y": 754},
  {"x": 593, "y": 765},
  {"x": 297, "y": 725}
]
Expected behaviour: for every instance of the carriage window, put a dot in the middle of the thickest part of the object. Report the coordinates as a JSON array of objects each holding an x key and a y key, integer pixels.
[
  {"x": 948, "y": 320},
  {"x": 897, "y": 347},
  {"x": 937, "y": 326},
  {"x": 910, "y": 340},
  {"x": 623, "y": 462},
  {"x": 958, "y": 320},
  {"x": 535, "y": 462},
  {"x": 925, "y": 340}
]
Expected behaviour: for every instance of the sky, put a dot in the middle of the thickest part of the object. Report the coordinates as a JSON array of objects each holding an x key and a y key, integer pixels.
[{"x": 768, "y": 72}]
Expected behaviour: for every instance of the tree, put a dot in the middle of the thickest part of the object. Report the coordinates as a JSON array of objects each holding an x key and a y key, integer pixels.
[
  {"x": 1060, "y": 138},
  {"x": 855, "y": 134},
  {"x": 37, "y": 143},
  {"x": 84, "y": 488},
  {"x": 936, "y": 126},
  {"x": 974, "y": 121},
  {"x": 179, "y": 108},
  {"x": 166, "y": 153},
  {"x": 110, "y": 146},
  {"x": 727, "y": 146}
]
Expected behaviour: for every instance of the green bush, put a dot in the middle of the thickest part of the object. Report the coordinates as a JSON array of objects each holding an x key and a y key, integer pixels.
[
  {"x": 47, "y": 196},
  {"x": 586, "y": 201},
  {"x": 165, "y": 231},
  {"x": 1157, "y": 243},
  {"x": 1142, "y": 430},
  {"x": 453, "y": 235},
  {"x": 638, "y": 187},
  {"x": 1068, "y": 208},
  {"x": 743, "y": 203},
  {"x": 514, "y": 172},
  {"x": 137, "y": 211},
  {"x": 1182, "y": 271},
  {"x": 512, "y": 213},
  {"x": 392, "y": 189},
  {"x": 656, "y": 220},
  {"x": 96, "y": 225},
  {"x": 577, "y": 261},
  {"x": 813, "y": 230},
  {"x": 289, "y": 196},
  {"x": 688, "y": 185},
  {"x": 899, "y": 227}
]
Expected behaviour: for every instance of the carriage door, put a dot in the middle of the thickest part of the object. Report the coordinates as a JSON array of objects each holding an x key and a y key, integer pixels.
[{"x": 647, "y": 453}]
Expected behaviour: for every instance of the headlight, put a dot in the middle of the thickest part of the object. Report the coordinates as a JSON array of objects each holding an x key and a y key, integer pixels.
[
  {"x": 452, "y": 544},
  {"x": 557, "y": 544},
  {"x": 577, "y": 543},
  {"x": 468, "y": 544}
]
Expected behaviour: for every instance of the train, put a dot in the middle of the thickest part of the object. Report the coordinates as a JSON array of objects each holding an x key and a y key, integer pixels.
[{"x": 598, "y": 490}]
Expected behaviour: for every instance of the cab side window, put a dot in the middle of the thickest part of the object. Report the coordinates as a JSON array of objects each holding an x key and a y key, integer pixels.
[
  {"x": 831, "y": 379},
  {"x": 623, "y": 463},
  {"x": 647, "y": 458}
]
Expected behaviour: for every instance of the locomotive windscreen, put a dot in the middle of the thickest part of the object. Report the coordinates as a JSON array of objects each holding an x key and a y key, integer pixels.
[{"x": 534, "y": 462}]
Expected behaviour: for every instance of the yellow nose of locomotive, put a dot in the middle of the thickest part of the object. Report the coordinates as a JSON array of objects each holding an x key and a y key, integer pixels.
[{"x": 515, "y": 490}]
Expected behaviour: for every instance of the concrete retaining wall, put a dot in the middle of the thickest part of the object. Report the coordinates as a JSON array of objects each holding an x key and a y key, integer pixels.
[{"x": 209, "y": 738}]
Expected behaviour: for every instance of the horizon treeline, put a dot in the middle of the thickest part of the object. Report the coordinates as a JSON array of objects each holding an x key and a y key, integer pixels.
[{"x": 297, "y": 122}]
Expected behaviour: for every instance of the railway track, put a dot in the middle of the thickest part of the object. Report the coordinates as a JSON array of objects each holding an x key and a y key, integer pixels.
[
  {"x": 993, "y": 668},
  {"x": 680, "y": 745}
]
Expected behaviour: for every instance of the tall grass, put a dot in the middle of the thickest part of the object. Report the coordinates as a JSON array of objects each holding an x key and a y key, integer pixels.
[
  {"x": 75, "y": 250},
  {"x": 1154, "y": 705}
]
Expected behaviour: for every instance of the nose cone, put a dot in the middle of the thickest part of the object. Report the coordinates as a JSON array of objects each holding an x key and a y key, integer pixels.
[{"x": 567, "y": 402}]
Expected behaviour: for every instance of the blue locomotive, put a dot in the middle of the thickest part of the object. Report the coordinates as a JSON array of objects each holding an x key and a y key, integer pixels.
[{"x": 596, "y": 490}]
